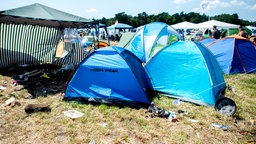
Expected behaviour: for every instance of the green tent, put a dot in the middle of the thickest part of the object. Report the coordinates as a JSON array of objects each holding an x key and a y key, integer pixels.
[{"x": 125, "y": 38}]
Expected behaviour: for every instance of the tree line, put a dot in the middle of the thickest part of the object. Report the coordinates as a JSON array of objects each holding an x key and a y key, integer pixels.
[{"x": 143, "y": 18}]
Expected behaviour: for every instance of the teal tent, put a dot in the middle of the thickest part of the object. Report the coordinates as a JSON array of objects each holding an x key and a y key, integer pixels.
[
  {"x": 188, "y": 71},
  {"x": 151, "y": 38}
]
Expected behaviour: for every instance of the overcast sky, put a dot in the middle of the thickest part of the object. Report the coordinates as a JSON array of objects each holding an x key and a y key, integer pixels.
[{"x": 246, "y": 9}]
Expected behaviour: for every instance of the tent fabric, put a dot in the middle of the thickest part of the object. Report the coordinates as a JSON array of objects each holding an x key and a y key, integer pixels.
[
  {"x": 188, "y": 71},
  {"x": 74, "y": 54},
  {"x": 26, "y": 44},
  {"x": 184, "y": 25},
  {"x": 207, "y": 41},
  {"x": 150, "y": 38},
  {"x": 120, "y": 26},
  {"x": 30, "y": 34},
  {"x": 111, "y": 75},
  {"x": 251, "y": 27},
  {"x": 60, "y": 52},
  {"x": 38, "y": 14},
  {"x": 235, "y": 54},
  {"x": 219, "y": 24},
  {"x": 125, "y": 38}
]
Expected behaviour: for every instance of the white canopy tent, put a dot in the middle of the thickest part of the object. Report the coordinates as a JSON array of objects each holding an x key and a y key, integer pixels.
[
  {"x": 219, "y": 24},
  {"x": 251, "y": 27},
  {"x": 209, "y": 24},
  {"x": 253, "y": 30},
  {"x": 184, "y": 25}
]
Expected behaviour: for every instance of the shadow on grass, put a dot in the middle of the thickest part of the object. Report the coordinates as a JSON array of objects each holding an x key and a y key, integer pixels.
[
  {"x": 107, "y": 102},
  {"x": 39, "y": 80},
  {"x": 36, "y": 84}
]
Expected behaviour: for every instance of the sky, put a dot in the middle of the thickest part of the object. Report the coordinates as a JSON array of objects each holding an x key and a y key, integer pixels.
[{"x": 246, "y": 9}]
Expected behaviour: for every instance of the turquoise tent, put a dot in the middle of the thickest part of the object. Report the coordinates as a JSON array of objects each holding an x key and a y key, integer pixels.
[
  {"x": 151, "y": 38},
  {"x": 188, "y": 71}
]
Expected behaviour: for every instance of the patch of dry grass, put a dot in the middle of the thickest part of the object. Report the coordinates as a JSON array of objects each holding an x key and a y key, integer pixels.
[{"x": 112, "y": 124}]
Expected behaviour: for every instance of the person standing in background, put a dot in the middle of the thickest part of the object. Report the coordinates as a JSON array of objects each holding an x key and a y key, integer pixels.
[
  {"x": 242, "y": 32},
  {"x": 216, "y": 32}
]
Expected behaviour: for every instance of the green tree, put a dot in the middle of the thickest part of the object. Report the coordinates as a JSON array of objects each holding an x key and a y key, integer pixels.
[
  {"x": 164, "y": 17},
  {"x": 196, "y": 17},
  {"x": 103, "y": 20},
  {"x": 123, "y": 18},
  {"x": 143, "y": 18}
]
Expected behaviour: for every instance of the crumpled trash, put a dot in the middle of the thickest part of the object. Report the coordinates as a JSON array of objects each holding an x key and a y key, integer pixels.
[
  {"x": 2, "y": 87},
  {"x": 251, "y": 133},
  {"x": 220, "y": 126},
  {"x": 172, "y": 117},
  {"x": 44, "y": 75},
  {"x": 232, "y": 89},
  {"x": 19, "y": 87},
  {"x": 104, "y": 125},
  {"x": 44, "y": 92},
  {"x": 157, "y": 111},
  {"x": 92, "y": 141},
  {"x": 9, "y": 101},
  {"x": 177, "y": 102},
  {"x": 73, "y": 114},
  {"x": 193, "y": 120}
]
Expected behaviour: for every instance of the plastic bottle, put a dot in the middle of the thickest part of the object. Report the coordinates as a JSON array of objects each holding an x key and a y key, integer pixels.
[
  {"x": 171, "y": 116},
  {"x": 44, "y": 92}
]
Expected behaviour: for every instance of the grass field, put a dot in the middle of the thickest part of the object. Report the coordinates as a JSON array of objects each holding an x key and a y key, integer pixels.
[{"x": 112, "y": 124}]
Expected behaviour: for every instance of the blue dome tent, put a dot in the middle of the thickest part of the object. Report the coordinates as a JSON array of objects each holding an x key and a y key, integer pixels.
[
  {"x": 207, "y": 41},
  {"x": 188, "y": 71},
  {"x": 235, "y": 54},
  {"x": 111, "y": 75}
]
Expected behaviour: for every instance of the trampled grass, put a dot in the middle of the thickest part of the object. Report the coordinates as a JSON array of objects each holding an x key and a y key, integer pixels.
[{"x": 112, "y": 124}]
